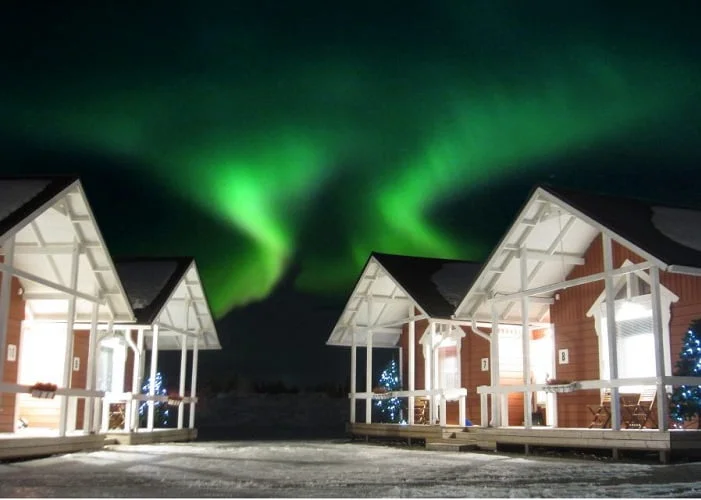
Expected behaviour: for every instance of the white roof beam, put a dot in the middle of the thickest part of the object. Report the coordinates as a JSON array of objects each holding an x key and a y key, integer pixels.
[
  {"x": 166, "y": 310},
  {"x": 550, "y": 251},
  {"x": 570, "y": 283},
  {"x": 34, "y": 228},
  {"x": 99, "y": 280},
  {"x": 175, "y": 329},
  {"x": 188, "y": 292},
  {"x": 383, "y": 302},
  {"x": 495, "y": 277},
  {"x": 46, "y": 249},
  {"x": 45, "y": 295},
  {"x": 386, "y": 299},
  {"x": 50, "y": 284},
  {"x": 548, "y": 256}
]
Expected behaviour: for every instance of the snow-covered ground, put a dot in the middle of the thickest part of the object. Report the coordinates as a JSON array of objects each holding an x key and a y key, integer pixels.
[{"x": 333, "y": 469}]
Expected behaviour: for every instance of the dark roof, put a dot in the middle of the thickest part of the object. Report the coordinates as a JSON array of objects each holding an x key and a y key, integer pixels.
[
  {"x": 21, "y": 196},
  {"x": 149, "y": 281},
  {"x": 437, "y": 285},
  {"x": 671, "y": 234}
]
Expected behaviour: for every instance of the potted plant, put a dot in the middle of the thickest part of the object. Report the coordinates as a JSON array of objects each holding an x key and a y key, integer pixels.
[{"x": 45, "y": 390}]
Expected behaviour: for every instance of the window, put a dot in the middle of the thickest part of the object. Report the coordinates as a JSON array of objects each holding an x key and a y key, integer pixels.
[
  {"x": 449, "y": 367},
  {"x": 105, "y": 367},
  {"x": 635, "y": 342}
]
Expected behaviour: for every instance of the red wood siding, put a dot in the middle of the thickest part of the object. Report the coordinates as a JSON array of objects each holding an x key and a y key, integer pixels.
[
  {"x": 576, "y": 332},
  {"x": 81, "y": 341},
  {"x": 9, "y": 375},
  {"x": 474, "y": 348}
]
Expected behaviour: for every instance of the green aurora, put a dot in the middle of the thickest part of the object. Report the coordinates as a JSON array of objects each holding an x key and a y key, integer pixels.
[{"x": 385, "y": 122}]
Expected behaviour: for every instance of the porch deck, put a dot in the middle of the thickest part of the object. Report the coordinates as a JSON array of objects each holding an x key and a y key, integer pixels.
[
  {"x": 676, "y": 442},
  {"x": 20, "y": 445},
  {"x": 142, "y": 436}
]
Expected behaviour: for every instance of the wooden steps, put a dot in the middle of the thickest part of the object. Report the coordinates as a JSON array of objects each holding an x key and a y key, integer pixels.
[{"x": 452, "y": 444}]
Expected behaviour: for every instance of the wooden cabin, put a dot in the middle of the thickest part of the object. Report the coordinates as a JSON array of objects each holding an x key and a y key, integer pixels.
[
  {"x": 56, "y": 273},
  {"x": 172, "y": 313},
  {"x": 70, "y": 332},
  {"x": 572, "y": 326}
]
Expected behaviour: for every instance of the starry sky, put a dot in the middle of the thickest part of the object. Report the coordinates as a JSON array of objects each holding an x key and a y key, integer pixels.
[{"x": 281, "y": 142}]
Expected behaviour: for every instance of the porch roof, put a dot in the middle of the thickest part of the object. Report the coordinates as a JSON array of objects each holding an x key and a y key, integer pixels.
[
  {"x": 50, "y": 216},
  {"x": 669, "y": 233},
  {"x": 555, "y": 227},
  {"x": 397, "y": 285},
  {"x": 168, "y": 291}
]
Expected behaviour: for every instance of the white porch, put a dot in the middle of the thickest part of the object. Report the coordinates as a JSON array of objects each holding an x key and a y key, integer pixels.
[
  {"x": 534, "y": 268},
  {"x": 57, "y": 255}
]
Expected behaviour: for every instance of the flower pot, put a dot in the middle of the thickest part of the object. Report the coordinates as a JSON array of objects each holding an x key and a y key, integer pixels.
[{"x": 36, "y": 393}]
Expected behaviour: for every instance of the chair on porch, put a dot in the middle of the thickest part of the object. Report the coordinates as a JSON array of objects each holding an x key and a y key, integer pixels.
[
  {"x": 642, "y": 412},
  {"x": 601, "y": 413},
  {"x": 421, "y": 411}
]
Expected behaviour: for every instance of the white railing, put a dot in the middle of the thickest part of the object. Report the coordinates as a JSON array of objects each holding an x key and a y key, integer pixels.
[
  {"x": 503, "y": 390},
  {"x": 72, "y": 394},
  {"x": 129, "y": 399},
  {"x": 443, "y": 395},
  {"x": 101, "y": 413}
]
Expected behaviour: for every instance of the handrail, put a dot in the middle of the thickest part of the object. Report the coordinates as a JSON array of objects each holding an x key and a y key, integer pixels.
[
  {"x": 124, "y": 397},
  {"x": 592, "y": 384},
  {"x": 447, "y": 393},
  {"x": 75, "y": 392}
]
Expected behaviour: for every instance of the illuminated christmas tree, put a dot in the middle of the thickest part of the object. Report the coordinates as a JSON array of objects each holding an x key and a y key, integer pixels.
[
  {"x": 160, "y": 408},
  {"x": 390, "y": 408},
  {"x": 685, "y": 402}
]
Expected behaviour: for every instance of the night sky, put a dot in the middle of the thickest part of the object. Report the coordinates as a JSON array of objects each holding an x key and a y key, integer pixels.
[{"x": 280, "y": 142}]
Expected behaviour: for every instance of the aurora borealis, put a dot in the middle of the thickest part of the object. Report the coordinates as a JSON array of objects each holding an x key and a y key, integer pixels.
[{"x": 313, "y": 132}]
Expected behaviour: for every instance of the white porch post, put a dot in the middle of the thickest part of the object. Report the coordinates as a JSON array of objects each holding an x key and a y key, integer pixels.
[
  {"x": 89, "y": 408},
  {"x": 461, "y": 401},
  {"x": 494, "y": 368},
  {"x": 152, "y": 384},
  {"x": 193, "y": 381},
  {"x": 412, "y": 368},
  {"x": 432, "y": 375},
  {"x": 136, "y": 377},
  {"x": 181, "y": 388},
  {"x": 611, "y": 331},
  {"x": 526, "y": 342},
  {"x": 368, "y": 366},
  {"x": 662, "y": 409},
  {"x": 353, "y": 374},
  {"x": 68, "y": 352},
  {"x": 5, "y": 296}
]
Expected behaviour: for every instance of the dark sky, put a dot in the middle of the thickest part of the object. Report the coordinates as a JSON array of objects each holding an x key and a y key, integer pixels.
[{"x": 280, "y": 142}]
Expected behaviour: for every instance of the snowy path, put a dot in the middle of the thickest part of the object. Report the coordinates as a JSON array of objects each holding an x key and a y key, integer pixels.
[{"x": 333, "y": 469}]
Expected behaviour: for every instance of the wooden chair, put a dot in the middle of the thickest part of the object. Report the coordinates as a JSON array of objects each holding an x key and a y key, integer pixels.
[
  {"x": 421, "y": 414},
  {"x": 642, "y": 412},
  {"x": 601, "y": 413},
  {"x": 117, "y": 414}
]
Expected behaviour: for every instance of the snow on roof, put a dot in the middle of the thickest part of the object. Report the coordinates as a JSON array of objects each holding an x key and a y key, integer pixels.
[
  {"x": 149, "y": 283},
  {"x": 679, "y": 224},
  {"x": 437, "y": 285},
  {"x": 15, "y": 193},
  {"x": 145, "y": 280},
  {"x": 453, "y": 279},
  {"x": 21, "y": 196},
  {"x": 667, "y": 233}
]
